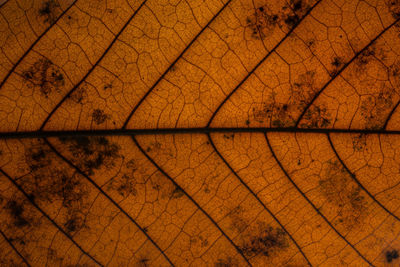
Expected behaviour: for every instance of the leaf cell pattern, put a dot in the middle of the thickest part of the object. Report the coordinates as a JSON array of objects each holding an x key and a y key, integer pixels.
[{"x": 199, "y": 133}]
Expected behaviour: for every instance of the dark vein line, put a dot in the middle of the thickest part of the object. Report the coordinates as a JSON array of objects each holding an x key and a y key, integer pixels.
[
  {"x": 14, "y": 248},
  {"x": 107, "y": 196},
  {"x": 47, "y": 216},
  {"x": 4, "y": 3},
  {"x": 258, "y": 199},
  {"x": 34, "y": 44},
  {"x": 190, "y": 198},
  {"x": 260, "y": 62},
  {"x": 390, "y": 115},
  {"x": 312, "y": 204},
  {"x": 358, "y": 182},
  {"x": 173, "y": 63},
  {"x": 127, "y": 132},
  {"x": 93, "y": 67},
  {"x": 342, "y": 69}
]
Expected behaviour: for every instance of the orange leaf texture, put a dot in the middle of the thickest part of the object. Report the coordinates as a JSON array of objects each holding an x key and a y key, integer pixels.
[{"x": 199, "y": 133}]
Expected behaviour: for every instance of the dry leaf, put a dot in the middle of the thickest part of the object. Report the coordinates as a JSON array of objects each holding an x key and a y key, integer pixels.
[{"x": 201, "y": 133}]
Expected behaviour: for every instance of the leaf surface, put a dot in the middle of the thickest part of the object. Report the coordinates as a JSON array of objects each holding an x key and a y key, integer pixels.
[{"x": 204, "y": 133}]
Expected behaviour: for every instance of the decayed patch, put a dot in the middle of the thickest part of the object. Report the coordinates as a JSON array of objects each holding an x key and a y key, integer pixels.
[
  {"x": 265, "y": 241},
  {"x": 375, "y": 108},
  {"x": 391, "y": 255},
  {"x": 364, "y": 58},
  {"x": 337, "y": 63},
  {"x": 359, "y": 142},
  {"x": 49, "y": 11},
  {"x": 277, "y": 113},
  {"x": 92, "y": 153},
  {"x": 263, "y": 21},
  {"x": 16, "y": 210},
  {"x": 340, "y": 190},
  {"x": 316, "y": 117},
  {"x": 45, "y": 76},
  {"x": 51, "y": 182},
  {"x": 99, "y": 116},
  {"x": 394, "y": 8},
  {"x": 18, "y": 218}
]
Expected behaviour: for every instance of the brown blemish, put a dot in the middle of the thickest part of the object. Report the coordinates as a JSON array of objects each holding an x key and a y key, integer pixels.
[
  {"x": 50, "y": 182},
  {"x": 262, "y": 22},
  {"x": 359, "y": 142},
  {"x": 143, "y": 262},
  {"x": 364, "y": 58},
  {"x": 394, "y": 8},
  {"x": 237, "y": 222},
  {"x": 339, "y": 190},
  {"x": 107, "y": 86},
  {"x": 125, "y": 186},
  {"x": 229, "y": 136},
  {"x": 16, "y": 211},
  {"x": 49, "y": 11},
  {"x": 265, "y": 241},
  {"x": 374, "y": 108},
  {"x": 177, "y": 193},
  {"x": 79, "y": 95},
  {"x": 277, "y": 113},
  {"x": 336, "y": 63},
  {"x": 391, "y": 255},
  {"x": 46, "y": 76},
  {"x": 92, "y": 153},
  {"x": 316, "y": 117},
  {"x": 99, "y": 116}
]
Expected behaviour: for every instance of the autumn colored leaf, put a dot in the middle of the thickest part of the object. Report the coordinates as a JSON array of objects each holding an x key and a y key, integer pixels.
[{"x": 199, "y": 133}]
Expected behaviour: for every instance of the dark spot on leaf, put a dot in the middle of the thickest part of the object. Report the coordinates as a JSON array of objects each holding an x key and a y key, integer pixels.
[
  {"x": 392, "y": 255},
  {"x": 310, "y": 43},
  {"x": 99, "y": 116},
  {"x": 74, "y": 223},
  {"x": 16, "y": 210},
  {"x": 316, "y": 117},
  {"x": 262, "y": 22},
  {"x": 49, "y": 11},
  {"x": 229, "y": 136},
  {"x": 337, "y": 62},
  {"x": 297, "y": 5},
  {"x": 92, "y": 153},
  {"x": 292, "y": 20},
  {"x": 374, "y": 108},
  {"x": 78, "y": 95},
  {"x": 394, "y": 8},
  {"x": 177, "y": 193},
  {"x": 143, "y": 262},
  {"x": 107, "y": 86},
  {"x": 364, "y": 58},
  {"x": 340, "y": 190},
  {"x": 359, "y": 142},
  {"x": 267, "y": 241},
  {"x": 277, "y": 113},
  {"x": 124, "y": 185},
  {"x": 44, "y": 75},
  {"x": 51, "y": 182}
]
